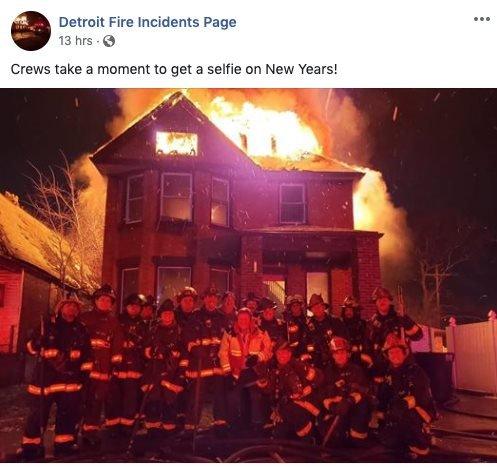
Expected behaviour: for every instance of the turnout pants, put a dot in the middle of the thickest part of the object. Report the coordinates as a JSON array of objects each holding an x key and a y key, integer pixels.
[
  {"x": 202, "y": 386},
  {"x": 245, "y": 402},
  {"x": 96, "y": 400},
  {"x": 353, "y": 425},
  {"x": 408, "y": 433},
  {"x": 161, "y": 409},
  {"x": 296, "y": 418},
  {"x": 122, "y": 404},
  {"x": 66, "y": 420}
]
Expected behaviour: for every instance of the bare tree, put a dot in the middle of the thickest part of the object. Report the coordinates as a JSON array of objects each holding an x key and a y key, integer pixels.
[
  {"x": 441, "y": 246},
  {"x": 76, "y": 219}
]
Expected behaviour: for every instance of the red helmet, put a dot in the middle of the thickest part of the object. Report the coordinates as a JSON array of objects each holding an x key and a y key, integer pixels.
[{"x": 338, "y": 343}]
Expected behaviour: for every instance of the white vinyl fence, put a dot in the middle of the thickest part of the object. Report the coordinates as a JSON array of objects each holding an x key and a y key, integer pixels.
[{"x": 475, "y": 363}]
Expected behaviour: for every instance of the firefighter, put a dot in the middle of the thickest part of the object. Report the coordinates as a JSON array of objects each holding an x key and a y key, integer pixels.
[
  {"x": 125, "y": 382},
  {"x": 243, "y": 347},
  {"x": 358, "y": 332},
  {"x": 202, "y": 338},
  {"x": 228, "y": 307},
  {"x": 296, "y": 323},
  {"x": 405, "y": 400},
  {"x": 64, "y": 357},
  {"x": 107, "y": 341},
  {"x": 321, "y": 328},
  {"x": 164, "y": 377},
  {"x": 268, "y": 321},
  {"x": 388, "y": 320},
  {"x": 187, "y": 300},
  {"x": 345, "y": 398},
  {"x": 252, "y": 303},
  {"x": 149, "y": 311},
  {"x": 292, "y": 387}
]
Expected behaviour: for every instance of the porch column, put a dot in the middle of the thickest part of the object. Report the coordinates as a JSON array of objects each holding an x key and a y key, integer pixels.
[
  {"x": 366, "y": 270},
  {"x": 251, "y": 265}
]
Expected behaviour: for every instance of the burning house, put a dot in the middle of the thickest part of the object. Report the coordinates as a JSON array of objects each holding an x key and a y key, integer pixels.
[{"x": 186, "y": 205}]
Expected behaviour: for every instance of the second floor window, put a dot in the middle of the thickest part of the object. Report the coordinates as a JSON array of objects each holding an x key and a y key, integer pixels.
[
  {"x": 292, "y": 204},
  {"x": 176, "y": 196},
  {"x": 220, "y": 202},
  {"x": 134, "y": 199}
]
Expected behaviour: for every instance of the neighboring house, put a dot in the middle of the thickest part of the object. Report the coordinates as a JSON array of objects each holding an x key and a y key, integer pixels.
[
  {"x": 28, "y": 274},
  {"x": 185, "y": 206}
]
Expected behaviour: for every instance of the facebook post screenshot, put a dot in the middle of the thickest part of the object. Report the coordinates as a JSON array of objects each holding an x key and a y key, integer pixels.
[{"x": 243, "y": 232}]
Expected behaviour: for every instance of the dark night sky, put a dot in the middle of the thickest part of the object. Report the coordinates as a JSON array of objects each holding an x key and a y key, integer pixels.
[{"x": 438, "y": 156}]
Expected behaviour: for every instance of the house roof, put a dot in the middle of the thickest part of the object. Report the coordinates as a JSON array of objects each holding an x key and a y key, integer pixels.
[
  {"x": 26, "y": 239},
  {"x": 309, "y": 163}
]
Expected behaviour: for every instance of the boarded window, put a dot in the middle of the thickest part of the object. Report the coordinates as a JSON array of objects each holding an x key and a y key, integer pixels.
[
  {"x": 2, "y": 295},
  {"x": 134, "y": 199},
  {"x": 171, "y": 280},
  {"x": 292, "y": 204},
  {"x": 318, "y": 283},
  {"x": 176, "y": 202},
  {"x": 129, "y": 283},
  {"x": 176, "y": 144},
  {"x": 220, "y": 278},
  {"x": 220, "y": 202}
]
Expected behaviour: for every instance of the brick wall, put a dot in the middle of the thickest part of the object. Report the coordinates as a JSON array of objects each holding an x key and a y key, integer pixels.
[
  {"x": 341, "y": 287},
  {"x": 366, "y": 271},
  {"x": 296, "y": 280},
  {"x": 251, "y": 265}
]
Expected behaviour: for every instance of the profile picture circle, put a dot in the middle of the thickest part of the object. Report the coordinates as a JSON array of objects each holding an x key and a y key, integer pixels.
[{"x": 30, "y": 30}]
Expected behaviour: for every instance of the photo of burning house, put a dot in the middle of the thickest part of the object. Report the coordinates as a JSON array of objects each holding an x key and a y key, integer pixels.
[
  {"x": 249, "y": 275},
  {"x": 30, "y": 30}
]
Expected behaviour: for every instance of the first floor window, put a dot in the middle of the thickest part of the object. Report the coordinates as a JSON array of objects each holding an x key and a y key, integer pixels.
[
  {"x": 171, "y": 280},
  {"x": 220, "y": 278},
  {"x": 318, "y": 283},
  {"x": 176, "y": 200},
  {"x": 129, "y": 283}
]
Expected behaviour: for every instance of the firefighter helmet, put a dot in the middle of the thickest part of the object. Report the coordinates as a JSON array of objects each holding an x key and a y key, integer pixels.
[
  {"x": 68, "y": 300},
  {"x": 228, "y": 294},
  {"x": 211, "y": 291},
  {"x": 381, "y": 292},
  {"x": 338, "y": 343},
  {"x": 266, "y": 303},
  {"x": 135, "y": 299},
  {"x": 166, "y": 306},
  {"x": 281, "y": 344},
  {"x": 150, "y": 301},
  {"x": 295, "y": 299},
  {"x": 188, "y": 291},
  {"x": 244, "y": 310},
  {"x": 251, "y": 296},
  {"x": 350, "y": 302},
  {"x": 105, "y": 290},
  {"x": 315, "y": 300},
  {"x": 394, "y": 341}
]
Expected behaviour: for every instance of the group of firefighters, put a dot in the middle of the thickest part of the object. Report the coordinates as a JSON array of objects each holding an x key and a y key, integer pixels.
[{"x": 307, "y": 374}]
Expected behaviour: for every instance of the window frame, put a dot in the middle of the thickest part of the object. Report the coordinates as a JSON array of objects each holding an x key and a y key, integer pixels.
[
  {"x": 162, "y": 197},
  {"x": 3, "y": 289},
  {"x": 128, "y": 199},
  {"x": 166, "y": 267},
  {"x": 221, "y": 269},
  {"x": 121, "y": 284},
  {"x": 227, "y": 202},
  {"x": 160, "y": 154},
  {"x": 304, "y": 203}
]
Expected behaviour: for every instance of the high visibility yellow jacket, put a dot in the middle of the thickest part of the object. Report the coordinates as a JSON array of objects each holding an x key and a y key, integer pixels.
[{"x": 236, "y": 347}]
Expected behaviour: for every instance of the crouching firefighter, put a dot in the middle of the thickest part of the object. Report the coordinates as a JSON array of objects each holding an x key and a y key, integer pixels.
[
  {"x": 345, "y": 398},
  {"x": 124, "y": 392},
  {"x": 164, "y": 378},
  {"x": 292, "y": 386},
  {"x": 107, "y": 342},
  {"x": 406, "y": 401},
  {"x": 64, "y": 355}
]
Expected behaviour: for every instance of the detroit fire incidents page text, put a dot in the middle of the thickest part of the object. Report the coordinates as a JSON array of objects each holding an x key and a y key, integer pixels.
[{"x": 243, "y": 234}]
